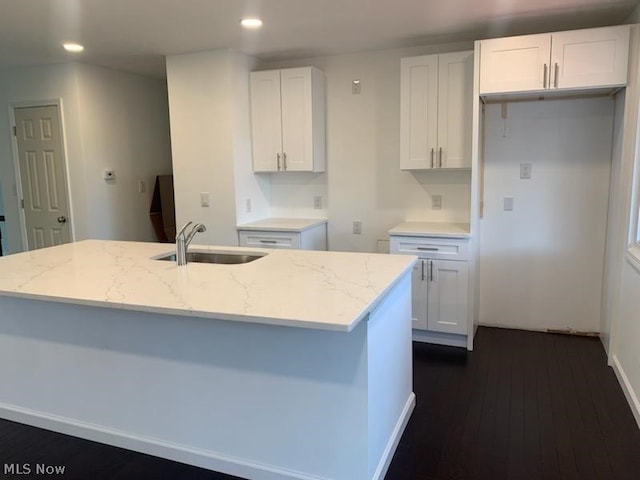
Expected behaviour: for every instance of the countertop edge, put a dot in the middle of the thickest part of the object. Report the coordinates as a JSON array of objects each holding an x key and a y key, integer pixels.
[
  {"x": 397, "y": 233},
  {"x": 253, "y": 226}
]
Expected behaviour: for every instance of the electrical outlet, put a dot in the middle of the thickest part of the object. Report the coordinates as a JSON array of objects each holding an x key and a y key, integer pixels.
[
  {"x": 205, "y": 199},
  {"x": 248, "y": 205},
  {"x": 142, "y": 186},
  {"x": 317, "y": 202},
  {"x": 508, "y": 204},
  {"x": 436, "y": 202},
  {"x": 525, "y": 171},
  {"x": 357, "y": 227}
]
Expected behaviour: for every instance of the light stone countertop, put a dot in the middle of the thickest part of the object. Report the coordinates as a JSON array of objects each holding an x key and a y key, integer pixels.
[
  {"x": 297, "y": 288},
  {"x": 432, "y": 229},
  {"x": 283, "y": 224}
]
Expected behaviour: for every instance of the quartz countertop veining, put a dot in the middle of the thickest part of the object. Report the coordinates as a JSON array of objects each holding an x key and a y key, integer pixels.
[
  {"x": 309, "y": 289},
  {"x": 432, "y": 229},
  {"x": 283, "y": 224}
]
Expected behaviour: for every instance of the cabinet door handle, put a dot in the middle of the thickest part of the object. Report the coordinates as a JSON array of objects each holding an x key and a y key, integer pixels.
[
  {"x": 272, "y": 242},
  {"x": 440, "y": 158},
  {"x": 278, "y": 157},
  {"x": 422, "y": 266},
  {"x": 432, "y": 152},
  {"x": 428, "y": 249},
  {"x": 284, "y": 160},
  {"x": 431, "y": 271},
  {"x": 544, "y": 76},
  {"x": 556, "y": 71}
]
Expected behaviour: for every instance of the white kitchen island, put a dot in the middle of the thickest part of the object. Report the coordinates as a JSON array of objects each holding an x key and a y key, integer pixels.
[{"x": 294, "y": 366}]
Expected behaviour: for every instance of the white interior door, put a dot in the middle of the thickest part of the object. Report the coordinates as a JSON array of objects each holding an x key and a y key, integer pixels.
[{"x": 43, "y": 176}]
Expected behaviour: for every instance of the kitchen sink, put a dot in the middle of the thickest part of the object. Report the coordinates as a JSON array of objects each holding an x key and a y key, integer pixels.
[{"x": 215, "y": 257}]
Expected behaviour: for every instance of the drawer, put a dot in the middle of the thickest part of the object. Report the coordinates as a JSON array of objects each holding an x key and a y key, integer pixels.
[
  {"x": 430, "y": 247},
  {"x": 253, "y": 238}
]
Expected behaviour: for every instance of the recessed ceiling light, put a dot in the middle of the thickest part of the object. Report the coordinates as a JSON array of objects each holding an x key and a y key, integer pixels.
[
  {"x": 251, "y": 23},
  {"x": 73, "y": 47}
]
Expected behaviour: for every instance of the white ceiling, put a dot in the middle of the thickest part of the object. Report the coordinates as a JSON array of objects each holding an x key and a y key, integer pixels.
[{"x": 135, "y": 35}]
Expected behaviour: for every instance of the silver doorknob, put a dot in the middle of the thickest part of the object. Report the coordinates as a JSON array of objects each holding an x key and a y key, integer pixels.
[{"x": 62, "y": 219}]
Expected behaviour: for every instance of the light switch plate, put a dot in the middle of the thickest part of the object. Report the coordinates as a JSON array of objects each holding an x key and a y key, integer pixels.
[
  {"x": 357, "y": 227},
  {"x": 436, "y": 202},
  {"x": 205, "y": 199}
]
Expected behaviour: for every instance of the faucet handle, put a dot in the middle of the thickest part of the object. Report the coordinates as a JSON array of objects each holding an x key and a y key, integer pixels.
[{"x": 184, "y": 227}]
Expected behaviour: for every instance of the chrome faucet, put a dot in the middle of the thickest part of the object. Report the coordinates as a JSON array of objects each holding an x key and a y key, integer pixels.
[{"x": 183, "y": 239}]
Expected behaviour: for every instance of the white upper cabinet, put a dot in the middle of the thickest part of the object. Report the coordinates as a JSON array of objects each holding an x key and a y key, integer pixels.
[
  {"x": 288, "y": 120},
  {"x": 578, "y": 59},
  {"x": 514, "y": 64},
  {"x": 436, "y": 111},
  {"x": 590, "y": 58}
]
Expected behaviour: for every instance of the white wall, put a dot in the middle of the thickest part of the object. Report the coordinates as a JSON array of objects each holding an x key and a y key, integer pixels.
[
  {"x": 541, "y": 265},
  {"x": 625, "y": 312},
  {"x": 208, "y": 104},
  {"x": 37, "y": 84},
  {"x": 249, "y": 187},
  {"x": 110, "y": 119},
  {"x": 615, "y": 220},
  {"x": 125, "y": 127},
  {"x": 2, "y": 234},
  {"x": 363, "y": 179}
]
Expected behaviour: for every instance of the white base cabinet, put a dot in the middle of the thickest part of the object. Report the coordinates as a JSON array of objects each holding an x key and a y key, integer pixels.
[
  {"x": 312, "y": 238},
  {"x": 440, "y": 282}
]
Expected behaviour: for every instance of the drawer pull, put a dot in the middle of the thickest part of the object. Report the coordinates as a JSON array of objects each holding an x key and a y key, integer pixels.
[
  {"x": 269, "y": 241},
  {"x": 427, "y": 249}
]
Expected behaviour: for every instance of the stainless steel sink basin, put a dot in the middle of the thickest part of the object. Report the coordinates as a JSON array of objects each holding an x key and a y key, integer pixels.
[{"x": 215, "y": 257}]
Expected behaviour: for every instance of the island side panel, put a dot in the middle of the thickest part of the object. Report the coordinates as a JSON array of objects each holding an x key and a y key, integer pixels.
[
  {"x": 256, "y": 401},
  {"x": 391, "y": 397}
]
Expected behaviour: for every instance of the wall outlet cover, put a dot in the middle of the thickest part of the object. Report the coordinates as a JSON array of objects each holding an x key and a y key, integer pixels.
[
  {"x": 436, "y": 202},
  {"x": 508, "y": 204},
  {"x": 317, "y": 202},
  {"x": 525, "y": 171},
  {"x": 357, "y": 227}
]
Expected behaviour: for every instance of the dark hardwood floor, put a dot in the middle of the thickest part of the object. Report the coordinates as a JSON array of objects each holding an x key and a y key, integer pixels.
[{"x": 522, "y": 406}]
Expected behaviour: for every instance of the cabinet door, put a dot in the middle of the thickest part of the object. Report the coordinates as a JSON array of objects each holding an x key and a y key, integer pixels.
[
  {"x": 297, "y": 128},
  {"x": 515, "y": 64},
  {"x": 448, "y": 289},
  {"x": 419, "y": 296},
  {"x": 455, "y": 109},
  {"x": 266, "y": 126},
  {"x": 595, "y": 57},
  {"x": 418, "y": 112}
]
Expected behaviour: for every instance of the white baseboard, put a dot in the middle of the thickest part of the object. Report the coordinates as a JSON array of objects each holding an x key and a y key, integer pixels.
[
  {"x": 398, "y": 430},
  {"x": 151, "y": 446},
  {"x": 627, "y": 388},
  {"x": 437, "y": 338}
]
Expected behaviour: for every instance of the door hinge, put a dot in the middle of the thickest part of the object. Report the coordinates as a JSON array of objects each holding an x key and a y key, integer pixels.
[{"x": 15, "y": 131}]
